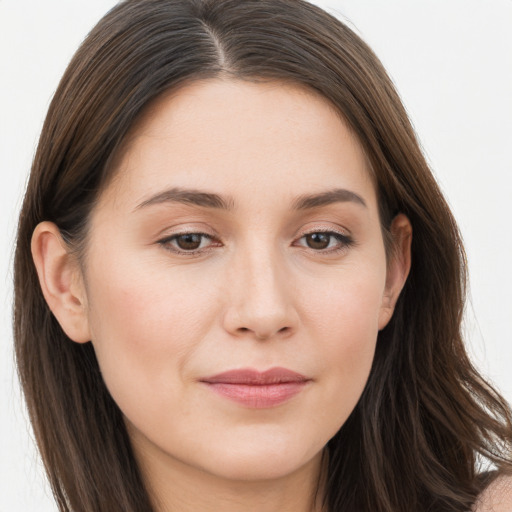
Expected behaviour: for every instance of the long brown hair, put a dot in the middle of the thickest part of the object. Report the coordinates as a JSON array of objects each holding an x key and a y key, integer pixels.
[{"x": 426, "y": 419}]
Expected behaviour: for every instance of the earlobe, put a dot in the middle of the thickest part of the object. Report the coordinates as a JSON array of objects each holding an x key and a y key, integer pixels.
[
  {"x": 398, "y": 267},
  {"x": 61, "y": 281}
]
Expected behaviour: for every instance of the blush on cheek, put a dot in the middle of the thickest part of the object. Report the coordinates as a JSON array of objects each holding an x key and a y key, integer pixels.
[{"x": 350, "y": 332}]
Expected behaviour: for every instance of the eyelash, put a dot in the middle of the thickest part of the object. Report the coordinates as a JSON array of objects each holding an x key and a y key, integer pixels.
[
  {"x": 166, "y": 243},
  {"x": 344, "y": 241}
]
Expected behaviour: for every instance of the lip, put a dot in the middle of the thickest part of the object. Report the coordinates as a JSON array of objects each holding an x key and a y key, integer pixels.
[{"x": 255, "y": 389}]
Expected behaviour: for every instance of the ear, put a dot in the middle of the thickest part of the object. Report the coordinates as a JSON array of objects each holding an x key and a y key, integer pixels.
[
  {"x": 398, "y": 266},
  {"x": 61, "y": 281}
]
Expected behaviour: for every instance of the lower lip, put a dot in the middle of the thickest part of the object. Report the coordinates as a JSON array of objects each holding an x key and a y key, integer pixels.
[{"x": 258, "y": 396}]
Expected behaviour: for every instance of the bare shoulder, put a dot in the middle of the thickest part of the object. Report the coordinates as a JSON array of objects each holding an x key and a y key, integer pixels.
[{"x": 497, "y": 497}]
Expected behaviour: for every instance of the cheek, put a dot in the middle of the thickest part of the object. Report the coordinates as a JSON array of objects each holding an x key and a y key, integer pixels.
[
  {"x": 344, "y": 317},
  {"x": 146, "y": 327},
  {"x": 346, "y": 306}
]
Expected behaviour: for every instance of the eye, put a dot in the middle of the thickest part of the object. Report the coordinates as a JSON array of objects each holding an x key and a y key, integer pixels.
[
  {"x": 187, "y": 243},
  {"x": 325, "y": 241}
]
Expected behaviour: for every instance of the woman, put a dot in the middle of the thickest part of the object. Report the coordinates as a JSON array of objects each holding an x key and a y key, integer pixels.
[{"x": 238, "y": 286}]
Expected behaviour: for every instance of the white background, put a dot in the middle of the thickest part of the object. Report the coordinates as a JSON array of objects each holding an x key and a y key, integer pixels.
[{"x": 452, "y": 63}]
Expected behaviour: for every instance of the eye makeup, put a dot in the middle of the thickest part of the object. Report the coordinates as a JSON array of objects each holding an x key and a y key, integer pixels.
[{"x": 195, "y": 243}]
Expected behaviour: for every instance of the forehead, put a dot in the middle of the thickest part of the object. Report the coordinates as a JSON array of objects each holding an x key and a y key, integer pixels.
[{"x": 239, "y": 136}]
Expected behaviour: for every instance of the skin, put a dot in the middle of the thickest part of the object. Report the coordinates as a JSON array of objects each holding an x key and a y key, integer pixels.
[
  {"x": 257, "y": 292},
  {"x": 497, "y": 497}
]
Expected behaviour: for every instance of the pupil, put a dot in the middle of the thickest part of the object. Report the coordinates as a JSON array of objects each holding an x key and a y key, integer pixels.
[
  {"x": 318, "y": 240},
  {"x": 189, "y": 242}
]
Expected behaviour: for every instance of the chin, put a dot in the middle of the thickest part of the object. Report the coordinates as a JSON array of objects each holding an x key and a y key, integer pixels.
[{"x": 267, "y": 459}]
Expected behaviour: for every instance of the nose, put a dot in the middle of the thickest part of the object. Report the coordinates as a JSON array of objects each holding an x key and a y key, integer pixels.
[{"x": 260, "y": 298}]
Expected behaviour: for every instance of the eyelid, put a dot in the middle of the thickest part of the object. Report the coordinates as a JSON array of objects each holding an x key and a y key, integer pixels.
[
  {"x": 345, "y": 240},
  {"x": 165, "y": 242},
  {"x": 315, "y": 228},
  {"x": 324, "y": 229}
]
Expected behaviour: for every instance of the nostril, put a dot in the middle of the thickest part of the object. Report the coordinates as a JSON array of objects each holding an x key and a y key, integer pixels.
[{"x": 283, "y": 330}]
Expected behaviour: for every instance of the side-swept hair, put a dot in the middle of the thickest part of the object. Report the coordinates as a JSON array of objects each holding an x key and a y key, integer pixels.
[{"x": 426, "y": 416}]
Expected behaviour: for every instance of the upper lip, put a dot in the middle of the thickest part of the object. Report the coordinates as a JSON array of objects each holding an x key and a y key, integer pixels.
[{"x": 252, "y": 377}]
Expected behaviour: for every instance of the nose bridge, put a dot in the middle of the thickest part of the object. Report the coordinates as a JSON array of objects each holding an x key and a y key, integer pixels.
[{"x": 260, "y": 301}]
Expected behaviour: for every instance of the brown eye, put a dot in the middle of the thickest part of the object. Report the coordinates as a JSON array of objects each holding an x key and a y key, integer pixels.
[
  {"x": 318, "y": 240},
  {"x": 189, "y": 241},
  {"x": 325, "y": 242}
]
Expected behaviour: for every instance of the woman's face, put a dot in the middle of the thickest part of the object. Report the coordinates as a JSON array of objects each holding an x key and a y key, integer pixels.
[{"x": 240, "y": 235}]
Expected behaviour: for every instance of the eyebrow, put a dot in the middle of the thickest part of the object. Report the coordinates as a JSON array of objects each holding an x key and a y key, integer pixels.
[
  {"x": 211, "y": 200},
  {"x": 338, "y": 195},
  {"x": 189, "y": 196}
]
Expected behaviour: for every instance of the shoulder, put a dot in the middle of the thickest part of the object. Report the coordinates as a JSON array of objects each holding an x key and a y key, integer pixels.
[{"x": 497, "y": 497}]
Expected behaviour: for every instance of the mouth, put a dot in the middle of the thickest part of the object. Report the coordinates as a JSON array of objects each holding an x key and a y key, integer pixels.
[{"x": 258, "y": 390}]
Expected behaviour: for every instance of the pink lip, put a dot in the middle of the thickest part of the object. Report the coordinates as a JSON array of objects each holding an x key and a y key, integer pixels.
[{"x": 256, "y": 389}]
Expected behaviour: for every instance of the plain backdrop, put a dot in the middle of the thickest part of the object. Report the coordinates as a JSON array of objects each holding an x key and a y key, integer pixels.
[{"x": 452, "y": 63}]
